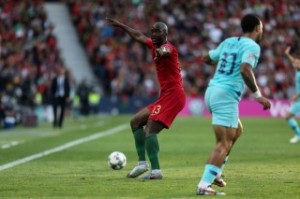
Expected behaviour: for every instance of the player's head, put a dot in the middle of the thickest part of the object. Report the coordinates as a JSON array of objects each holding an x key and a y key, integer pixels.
[
  {"x": 159, "y": 32},
  {"x": 252, "y": 24}
]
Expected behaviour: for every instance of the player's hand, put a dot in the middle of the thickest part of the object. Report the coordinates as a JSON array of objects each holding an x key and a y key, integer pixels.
[
  {"x": 264, "y": 102},
  {"x": 159, "y": 52},
  {"x": 287, "y": 50},
  {"x": 162, "y": 51},
  {"x": 113, "y": 22}
]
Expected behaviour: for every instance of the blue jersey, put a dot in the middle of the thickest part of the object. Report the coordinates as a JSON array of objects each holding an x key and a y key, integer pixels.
[
  {"x": 230, "y": 54},
  {"x": 297, "y": 81}
]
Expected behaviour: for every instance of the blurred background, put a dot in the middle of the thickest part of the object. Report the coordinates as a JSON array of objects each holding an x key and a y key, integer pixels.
[{"x": 111, "y": 74}]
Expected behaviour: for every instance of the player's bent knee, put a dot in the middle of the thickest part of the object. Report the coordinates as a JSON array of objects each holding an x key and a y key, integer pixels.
[{"x": 134, "y": 124}]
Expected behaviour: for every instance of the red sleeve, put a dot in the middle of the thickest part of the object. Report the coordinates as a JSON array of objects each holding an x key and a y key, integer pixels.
[{"x": 149, "y": 43}]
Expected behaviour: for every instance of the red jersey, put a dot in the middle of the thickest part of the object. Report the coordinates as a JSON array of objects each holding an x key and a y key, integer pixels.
[
  {"x": 172, "y": 97},
  {"x": 167, "y": 68}
]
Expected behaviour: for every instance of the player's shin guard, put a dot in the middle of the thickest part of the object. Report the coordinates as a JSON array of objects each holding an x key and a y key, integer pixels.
[
  {"x": 152, "y": 150},
  {"x": 139, "y": 138},
  {"x": 209, "y": 175}
]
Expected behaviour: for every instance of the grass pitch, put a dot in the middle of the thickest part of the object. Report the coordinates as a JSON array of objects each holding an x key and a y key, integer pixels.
[{"x": 262, "y": 164}]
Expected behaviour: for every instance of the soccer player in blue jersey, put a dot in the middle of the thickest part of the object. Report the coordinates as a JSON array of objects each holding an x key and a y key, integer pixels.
[
  {"x": 235, "y": 58},
  {"x": 295, "y": 107}
]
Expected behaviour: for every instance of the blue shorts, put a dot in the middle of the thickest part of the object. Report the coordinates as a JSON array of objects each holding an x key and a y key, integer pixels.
[
  {"x": 295, "y": 108},
  {"x": 223, "y": 105}
]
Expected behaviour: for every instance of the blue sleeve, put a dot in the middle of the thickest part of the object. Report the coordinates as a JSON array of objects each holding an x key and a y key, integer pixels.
[
  {"x": 251, "y": 54},
  {"x": 215, "y": 53}
]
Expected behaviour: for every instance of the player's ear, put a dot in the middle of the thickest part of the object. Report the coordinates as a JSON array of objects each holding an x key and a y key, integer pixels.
[
  {"x": 165, "y": 31},
  {"x": 258, "y": 28}
]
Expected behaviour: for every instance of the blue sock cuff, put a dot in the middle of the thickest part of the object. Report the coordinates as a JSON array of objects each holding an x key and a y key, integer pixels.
[
  {"x": 292, "y": 122},
  {"x": 212, "y": 168},
  {"x": 294, "y": 125},
  {"x": 210, "y": 173}
]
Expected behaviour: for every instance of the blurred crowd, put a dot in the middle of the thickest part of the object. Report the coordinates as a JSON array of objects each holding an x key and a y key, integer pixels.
[
  {"x": 30, "y": 56},
  {"x": 125, "y": 67},
  {"x": 28, "y": 63}
]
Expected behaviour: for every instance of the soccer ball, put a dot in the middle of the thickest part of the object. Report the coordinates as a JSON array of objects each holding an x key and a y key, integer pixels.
[{"x": 117, "y": 160}]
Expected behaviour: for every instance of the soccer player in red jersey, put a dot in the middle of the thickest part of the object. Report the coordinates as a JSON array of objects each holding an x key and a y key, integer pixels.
[{"x": 148, "y": 122}]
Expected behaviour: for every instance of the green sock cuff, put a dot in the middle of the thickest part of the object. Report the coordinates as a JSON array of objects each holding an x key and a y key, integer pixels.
[{"x": 138, "y": 131}]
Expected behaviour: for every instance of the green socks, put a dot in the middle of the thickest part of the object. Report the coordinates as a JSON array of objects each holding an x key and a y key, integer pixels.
[
  {"x": 152, "y": 150},
  {"x": 150, "y": 143},
  {"x": 139, "y": 138}
]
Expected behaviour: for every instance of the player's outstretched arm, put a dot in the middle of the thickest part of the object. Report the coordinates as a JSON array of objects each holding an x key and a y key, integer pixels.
[
  {"x": 136, "y": 35},
  {"x": 295, "y": 62},
  {"x": 250, "y": 81}
]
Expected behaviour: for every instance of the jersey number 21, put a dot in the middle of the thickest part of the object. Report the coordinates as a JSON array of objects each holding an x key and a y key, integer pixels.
[{"x": 227, "y": 63}]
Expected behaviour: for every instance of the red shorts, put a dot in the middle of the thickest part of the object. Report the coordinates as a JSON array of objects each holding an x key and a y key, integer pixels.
[{"x": 168, "y": 105}]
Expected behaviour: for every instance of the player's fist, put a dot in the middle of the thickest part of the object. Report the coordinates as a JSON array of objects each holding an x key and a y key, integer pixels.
[
  {"x": 264, "y": 102},
  {"x": 162, "y": 51},
  {"x": 159, "y": 52}
]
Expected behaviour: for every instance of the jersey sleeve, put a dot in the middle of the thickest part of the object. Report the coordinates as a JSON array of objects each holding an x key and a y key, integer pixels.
[
  {"x": 251, "y": 55},
  {"x": 149, "y": 43},
  {"x": 214, "y": 54}
]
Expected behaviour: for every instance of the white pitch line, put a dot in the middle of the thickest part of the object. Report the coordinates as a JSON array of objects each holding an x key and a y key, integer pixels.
[
  {"x": 65, "y": 146},
  {"x": 11, "y": 144}
]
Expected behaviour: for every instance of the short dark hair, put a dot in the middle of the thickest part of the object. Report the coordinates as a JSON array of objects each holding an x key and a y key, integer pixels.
[
  {"x": 249, "y": 22},
  {"x": 161, "y": 26}
]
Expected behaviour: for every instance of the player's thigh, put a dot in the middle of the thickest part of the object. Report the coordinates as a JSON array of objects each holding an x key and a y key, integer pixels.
[
  {"x": 167, "y": 107},
  {"x": 225, "y": 136},
  {"x": 223, "y": 104},
  {"x": 154, "y": 127}
]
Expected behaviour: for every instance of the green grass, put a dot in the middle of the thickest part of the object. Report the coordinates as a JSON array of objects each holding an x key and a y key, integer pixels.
[{"x": 262, "y": 164}]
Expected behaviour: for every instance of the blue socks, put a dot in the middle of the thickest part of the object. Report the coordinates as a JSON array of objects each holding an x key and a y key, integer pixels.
[
  {"x": 294, "y": 125},
  {"x": 209, "y": 175}
]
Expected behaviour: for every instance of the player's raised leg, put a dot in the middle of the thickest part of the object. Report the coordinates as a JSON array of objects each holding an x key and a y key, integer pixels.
[{"x": 137, "y": 125}]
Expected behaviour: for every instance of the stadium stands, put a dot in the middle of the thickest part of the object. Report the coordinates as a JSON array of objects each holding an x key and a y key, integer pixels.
[
  {"x": 194, "y": 27},
  {"x": 29, "y": 57},
  {"x": 30, "y": 54}
]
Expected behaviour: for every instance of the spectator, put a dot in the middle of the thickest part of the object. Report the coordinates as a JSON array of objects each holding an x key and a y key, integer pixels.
[{"x": 60, "y": 90}]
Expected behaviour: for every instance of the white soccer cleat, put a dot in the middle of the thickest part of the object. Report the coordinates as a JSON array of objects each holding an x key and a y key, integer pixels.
[
  {"x": 153, "y": 176},
  {"x": 208, "y": 191},
  {"x": 138, "y": 170},
  {"x": 295, "y": 139}
]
